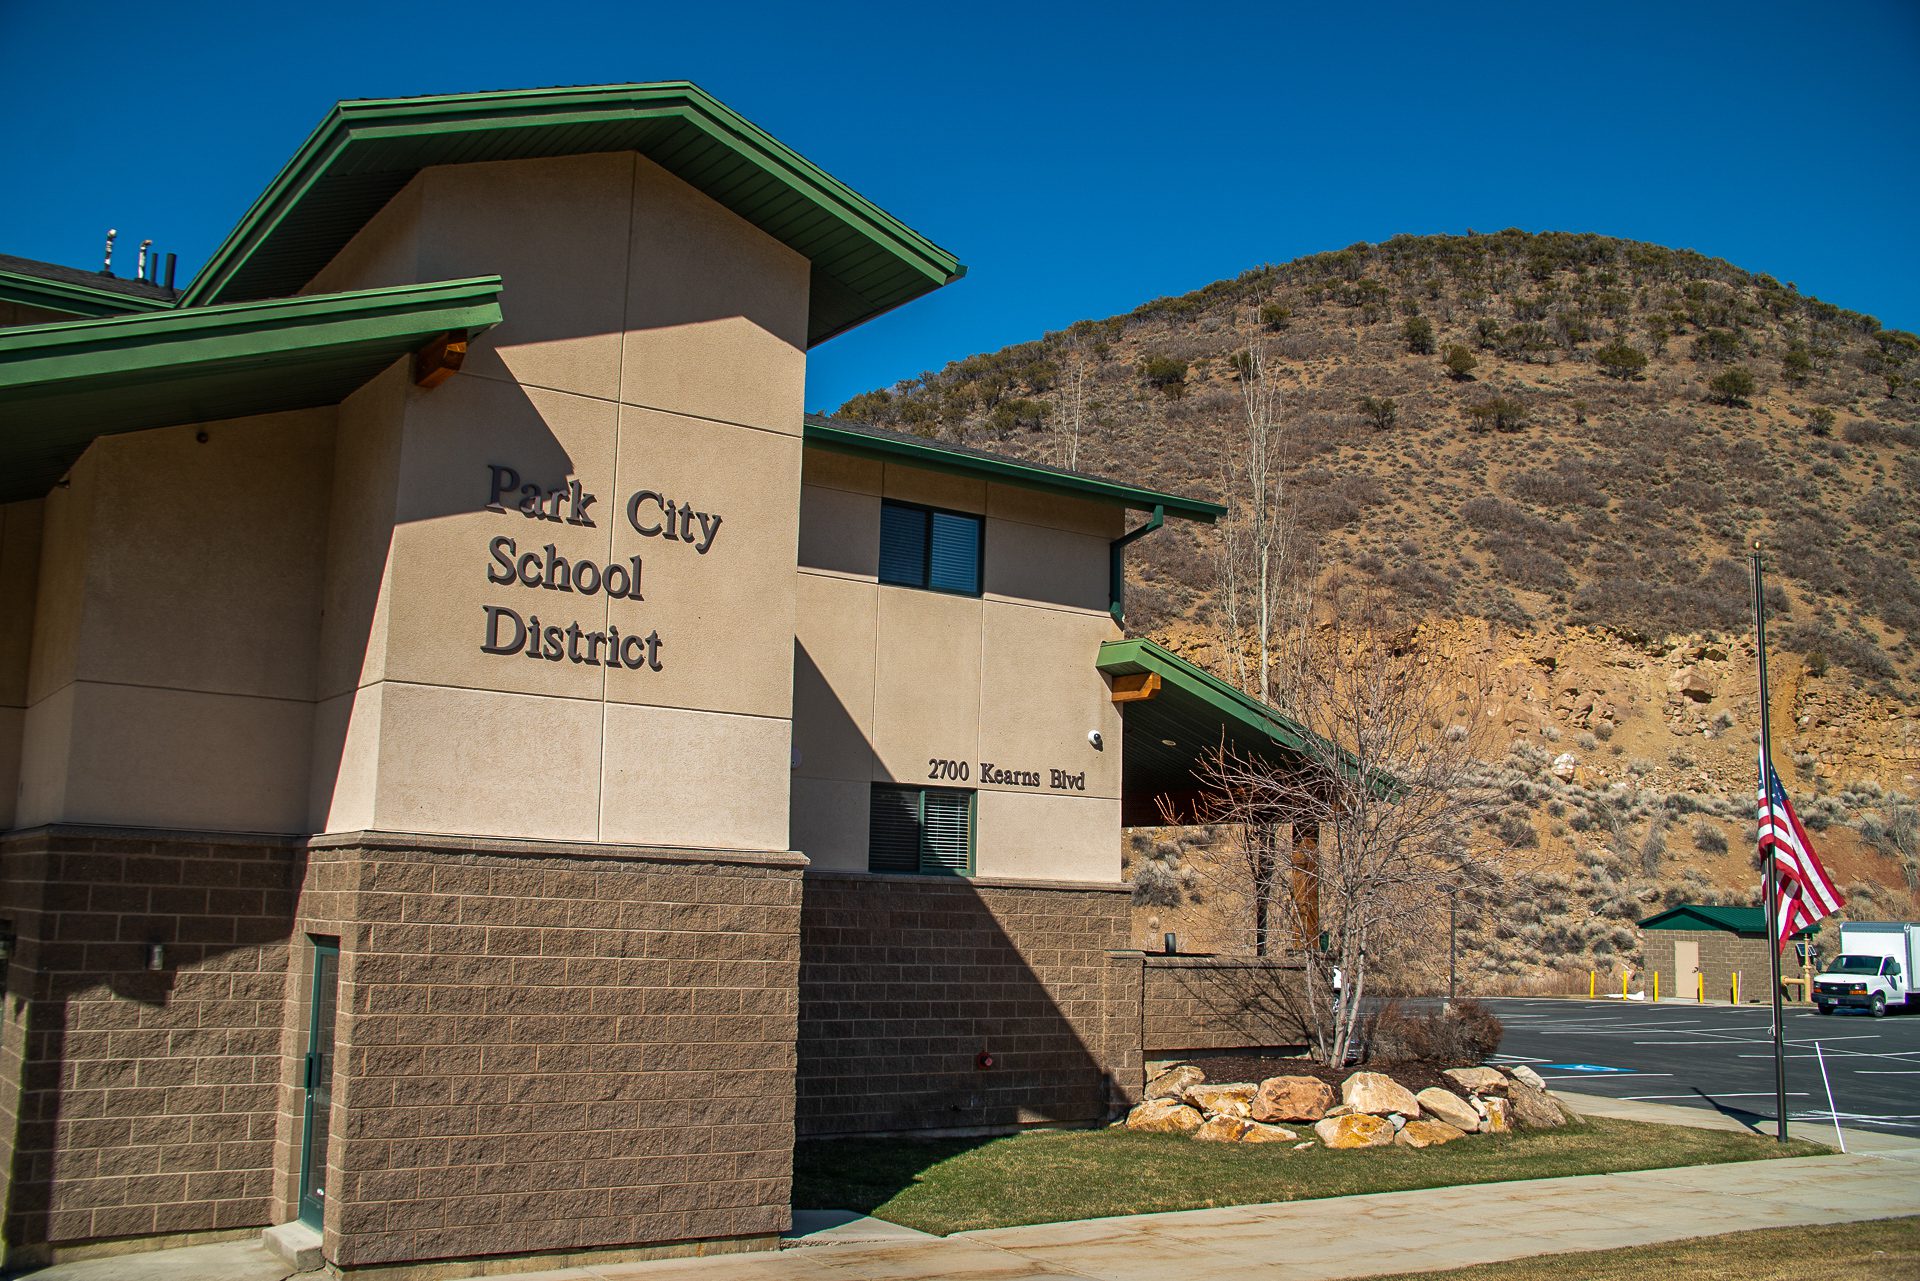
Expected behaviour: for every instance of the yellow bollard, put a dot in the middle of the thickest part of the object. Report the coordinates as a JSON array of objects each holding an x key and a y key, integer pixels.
[
  {"x": 1623, "y": 985},
  {"x": 1656, "y": 987},
  {"x": 1736, "y": 987},
  {"x": 1700, "y": 984},
  {"x": 1593, "y": 979}
]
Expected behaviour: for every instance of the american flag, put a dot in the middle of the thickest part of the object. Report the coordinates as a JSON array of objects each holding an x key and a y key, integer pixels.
[{"x": 1805, "y": 892}]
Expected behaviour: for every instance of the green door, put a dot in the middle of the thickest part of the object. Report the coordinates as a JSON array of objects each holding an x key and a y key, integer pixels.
[{"x": 319, "y": 1079}]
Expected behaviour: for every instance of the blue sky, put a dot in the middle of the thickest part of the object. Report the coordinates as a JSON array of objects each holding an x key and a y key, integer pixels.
[{"x": 1079, "y": 159}]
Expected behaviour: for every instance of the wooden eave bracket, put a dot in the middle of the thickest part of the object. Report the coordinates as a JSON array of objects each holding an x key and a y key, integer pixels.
[
  {"x": 1137, "y": 688},
  {"x": 440, "y": 359}
]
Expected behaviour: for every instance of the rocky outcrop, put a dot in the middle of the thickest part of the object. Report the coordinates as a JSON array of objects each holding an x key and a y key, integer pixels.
[
  {"x": 1378, "y": 1094},
  {"x": 1164, "y": 1116},
  {"x": 1534, "y": 1109},
  {"x": 1427, "y": 1134},
  {"x": 1356, "y": 1130},
  {"x": 1377, "y": 1110},
  {"x": 1444, "y": 1105},
  {"x": 1231, "y": 1099},
  {"x": 1175, "y": 1081},
  {"x": 1292, "y": 1098},
  {"x": 1481, "y": 1081}
]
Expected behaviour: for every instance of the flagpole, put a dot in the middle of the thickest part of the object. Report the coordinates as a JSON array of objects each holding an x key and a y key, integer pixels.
[{"x": 1772, "y": 882}]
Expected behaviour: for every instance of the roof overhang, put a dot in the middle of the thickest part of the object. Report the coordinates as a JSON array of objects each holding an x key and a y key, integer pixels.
[
  {"x": 63, "y": 385},
  {"x": 865, "y": 261},
  {"x": 1187, "y": 716},
  {"x": 1007, "y": 471},
  {"x": 1742, "y": 922},
  {"x": 71, "y": 299}
]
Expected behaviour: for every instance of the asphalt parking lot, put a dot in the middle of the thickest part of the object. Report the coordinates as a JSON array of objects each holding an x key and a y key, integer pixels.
[{"x": 1721, "y": 1057}]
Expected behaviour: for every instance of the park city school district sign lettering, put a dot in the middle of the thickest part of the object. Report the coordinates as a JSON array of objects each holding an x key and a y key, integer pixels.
[{"x": 542, "y": 568}]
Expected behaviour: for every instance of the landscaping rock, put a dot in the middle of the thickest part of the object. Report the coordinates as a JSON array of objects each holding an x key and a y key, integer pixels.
[
  {"x": 1499, "y": 1120},
  {"x": 1379, "y": 1094},
  {"x": 1482, "y": 1081},
  {"x": 1358, "y": 1130},
  {"x": 1291, "y": 1098},
  {"x": 1534, "y": 1109},
  {"x": 1223, "y": 1129},
  {"x": 1229, "y": 1099},
  {"x": 1258, "y": 1133},
  {"x": 1175, "y": 1081},
  {"x": 1163, "y": 1116},
  {"x": 1447, "y": 1106},
  {"x": 1427, "y": 1134},
  {"x": 1528, "y": 1076}
]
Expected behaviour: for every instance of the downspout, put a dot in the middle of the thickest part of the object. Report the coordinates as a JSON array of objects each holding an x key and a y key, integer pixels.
[{"x": 1117, "y": 566}]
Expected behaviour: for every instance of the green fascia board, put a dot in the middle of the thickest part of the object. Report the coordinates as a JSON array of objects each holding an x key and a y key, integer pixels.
[
  {"x": 1139, "y": 655},
  {"x": 936, "y": 457},
  {"x": 1748, "y": 922},
  {"x": 64, "y": 385},
  {"x": 1246, "y": 723},
  {"x": 81, "y": 351},
  {"x": 865, "y": 261},
  {"x": 71, "y": 299}
]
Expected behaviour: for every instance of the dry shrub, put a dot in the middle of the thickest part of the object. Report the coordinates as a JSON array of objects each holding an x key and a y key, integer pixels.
[{"x": 1460, "y": 1035}]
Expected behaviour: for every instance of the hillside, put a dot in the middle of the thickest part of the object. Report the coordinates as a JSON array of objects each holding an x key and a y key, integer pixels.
[{"x": 1554, "y": 451}]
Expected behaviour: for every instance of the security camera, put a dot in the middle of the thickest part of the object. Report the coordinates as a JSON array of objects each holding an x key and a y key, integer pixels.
[{"x": 1093, "y": 736}]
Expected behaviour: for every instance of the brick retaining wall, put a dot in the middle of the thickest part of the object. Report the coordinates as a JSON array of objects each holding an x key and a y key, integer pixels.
[
  {"x": 1220, "y": 1003},
  {"x": 904, "y": 980}
]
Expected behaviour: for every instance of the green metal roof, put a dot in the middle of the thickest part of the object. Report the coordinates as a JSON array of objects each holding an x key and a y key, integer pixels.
[
  {"x": 62, "y": 385},
  {"x": 917, "y": 451},
  {"x": 864, "y": 260},
  {"x": 1748, "y": 922},
  {"x": 1198, "y": 712},
  {"x": 70, "y": 297}
]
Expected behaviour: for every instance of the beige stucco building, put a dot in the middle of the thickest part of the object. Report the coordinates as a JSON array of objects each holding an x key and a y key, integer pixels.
[{"x": 480, "y": 770}]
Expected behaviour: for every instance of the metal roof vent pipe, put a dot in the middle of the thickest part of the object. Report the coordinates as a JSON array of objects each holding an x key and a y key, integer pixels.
[
  {"x": 172, "y": 259},
  {"x": 140, "y": 270},
  {"x": 106, "y": 262}
]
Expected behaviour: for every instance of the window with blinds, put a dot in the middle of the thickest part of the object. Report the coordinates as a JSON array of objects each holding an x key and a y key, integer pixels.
[
  {"x": 927, "y": 547},
  {"x": 922, "y": 830}
]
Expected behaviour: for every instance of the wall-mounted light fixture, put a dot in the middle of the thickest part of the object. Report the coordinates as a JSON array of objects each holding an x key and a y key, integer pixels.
[
  {"x": 156, "y": 955},
  {"x": 7, "y": 940}
]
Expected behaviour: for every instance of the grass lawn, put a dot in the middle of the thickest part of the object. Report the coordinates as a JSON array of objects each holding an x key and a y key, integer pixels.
[
  {"x": 950, "y": 1185},
  {"x": 1882, "y": 1250}
]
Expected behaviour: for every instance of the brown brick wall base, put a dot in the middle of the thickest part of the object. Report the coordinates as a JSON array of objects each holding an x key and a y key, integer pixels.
[
  {"x": 1222, "y": 1003},
  {"x": 542, "y": 1049},
  {"x": 905, "y": 980},
  {"x": 136, "y": 1103},
  {"x": 559, "y": 1048}
]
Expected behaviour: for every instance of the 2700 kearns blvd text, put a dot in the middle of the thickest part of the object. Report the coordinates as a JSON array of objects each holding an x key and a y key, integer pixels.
[{"x": 542, "y": 568}]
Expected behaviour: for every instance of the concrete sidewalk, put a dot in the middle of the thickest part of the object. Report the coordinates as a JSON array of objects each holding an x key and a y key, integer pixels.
[{"x": 1322, "y": 1240}]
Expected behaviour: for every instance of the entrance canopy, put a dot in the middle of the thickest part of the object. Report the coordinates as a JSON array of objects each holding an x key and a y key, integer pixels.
[{"x": 1176, "y": 715}]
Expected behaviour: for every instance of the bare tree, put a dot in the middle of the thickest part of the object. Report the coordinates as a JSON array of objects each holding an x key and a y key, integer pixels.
[
  {"x": 1072, "y": 401},
  {"x": 1386, "y": 800},
  {"x": 1265, "y": 568}
]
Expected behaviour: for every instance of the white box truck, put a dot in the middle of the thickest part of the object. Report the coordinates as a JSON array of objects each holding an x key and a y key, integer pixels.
[{"x": 1878, "y": 966}]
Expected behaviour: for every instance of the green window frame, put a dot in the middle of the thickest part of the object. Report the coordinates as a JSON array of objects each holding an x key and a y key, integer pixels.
[
  {"x": 921, "y": 831},
  {"x": 932, "y": 548}
]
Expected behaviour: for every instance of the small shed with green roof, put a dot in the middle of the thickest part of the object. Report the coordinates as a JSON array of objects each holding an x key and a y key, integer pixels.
[{"x": 1697, "y": 948}]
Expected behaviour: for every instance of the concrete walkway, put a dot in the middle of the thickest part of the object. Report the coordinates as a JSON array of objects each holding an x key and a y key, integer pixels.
[{"x": 1323, "y": 1240}]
